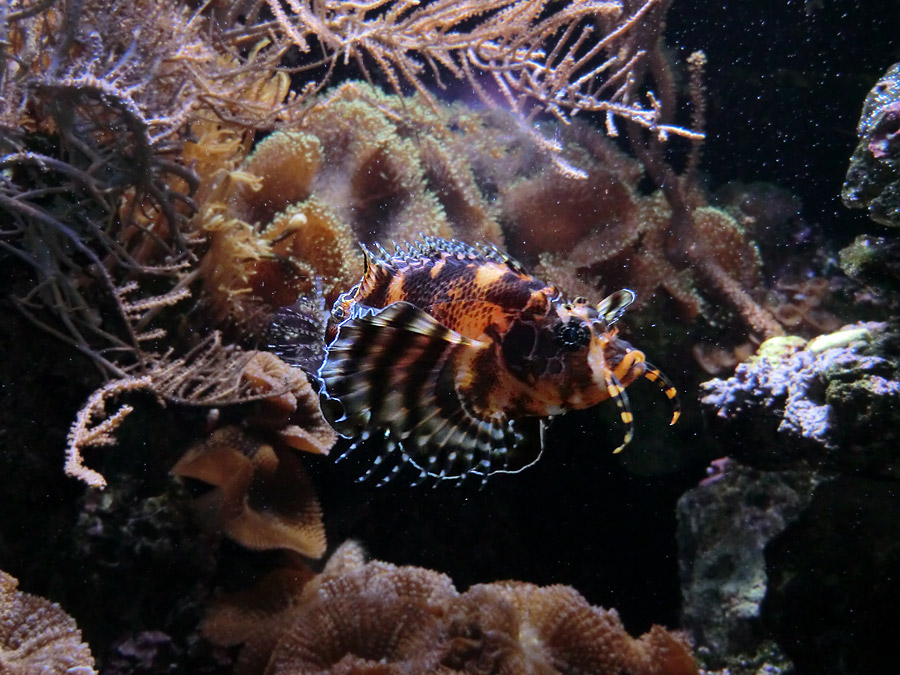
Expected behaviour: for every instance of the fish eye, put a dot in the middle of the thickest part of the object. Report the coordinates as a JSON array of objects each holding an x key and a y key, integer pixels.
[{"x": 573, "y": 334}]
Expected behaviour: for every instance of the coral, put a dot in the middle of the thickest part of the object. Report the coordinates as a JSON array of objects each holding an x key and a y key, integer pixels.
[
  {"x": 831, "y": 401},
  {"x": 90, "y": 122},
  {"x": 376, "y": 614},
  {"x": 591, "y": 229},
  {"x": 262, "y": 497},
  {"x": 361, "y": 166},
  {"x": 873, "y": 262},
  {"x": 526, "y": 628},
  {"x": 284, "y": 164},
  {"x": 873, "y": 177},
  {"x": 631, "y": 250},
  {"x": 83, "y": 435},
  {"x": 255, "y": 618},
  {"x": 37, "y": 636},
  {"x": 797, "y": 304},
  {"x": 379, "y": 618},
  {"x": 211, "y": 374},
  {"x": 287, "y": 405},
  {"x": 577, "y": 57},
  {"x": 715, "y": 359}
]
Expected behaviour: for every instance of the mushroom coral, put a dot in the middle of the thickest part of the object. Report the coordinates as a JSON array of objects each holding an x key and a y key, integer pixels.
[
  {"x": 554, "y": 630},
  {"x": 360, "y": 166},
  {"x": 36, "y": 636},
  {"x": 359, "y": 617},
  {"x": 288, "y": 407},
  {"x": 261, "y": 497}
]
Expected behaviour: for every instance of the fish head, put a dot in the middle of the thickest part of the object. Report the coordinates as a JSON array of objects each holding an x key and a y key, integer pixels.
[
  {"x": 569, "y": 356},
  {"x": 597, "y": 363}
]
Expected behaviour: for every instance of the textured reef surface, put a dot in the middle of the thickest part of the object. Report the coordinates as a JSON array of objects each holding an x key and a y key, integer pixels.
[
  {"x": 831, "y": 403},
  {"x": 175, "y": 176},
  {"x": 873, "y": 179}
]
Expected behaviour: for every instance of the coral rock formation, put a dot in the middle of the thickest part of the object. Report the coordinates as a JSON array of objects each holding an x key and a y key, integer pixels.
[
  {"x": 36, "y": 636},
  {"x": 873, "y": 178},
  {"x": 723, "y": 527},
  {"x": 831, "y": 402}
]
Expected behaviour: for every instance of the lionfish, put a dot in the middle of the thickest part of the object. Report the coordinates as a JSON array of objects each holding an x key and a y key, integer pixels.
[{"x": 450, "y": 350}]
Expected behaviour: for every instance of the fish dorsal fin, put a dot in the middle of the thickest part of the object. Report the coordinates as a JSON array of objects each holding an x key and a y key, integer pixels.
[
  {"x": 614, "y": 305},
  {"x": 379, "y": 267},
  {"x": 428, "y": 246},
  {"x": 395, "y": 370}
]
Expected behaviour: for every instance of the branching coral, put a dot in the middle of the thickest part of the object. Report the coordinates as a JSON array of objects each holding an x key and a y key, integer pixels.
[
  {"x": 376, "y": 618},
  {"x": 98, "y": 101},
  {"x": 89, "y": 166},
  {"x": 559, "y": 58},
  {"x": 36, "y": 636}
]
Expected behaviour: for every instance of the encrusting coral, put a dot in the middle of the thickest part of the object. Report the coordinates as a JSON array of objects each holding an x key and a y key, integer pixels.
[
  {"x": 830, "y": 402},
  {"x": 36, "y": 636},
  {"x": 873, "y": 177},
  {"x": 359, "y": 617}
]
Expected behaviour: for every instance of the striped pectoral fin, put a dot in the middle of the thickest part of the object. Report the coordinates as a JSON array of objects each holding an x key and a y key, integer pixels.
[
  {"x": 617, "y": 393},
  {"x": 656, "y": 376},
  {"x": 297, "y": 333},
  {"x": 393, "y": 370},
  {"x": 375, "y": 357}
]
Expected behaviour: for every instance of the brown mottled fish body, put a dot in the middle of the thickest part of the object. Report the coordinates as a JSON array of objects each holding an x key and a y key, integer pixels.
[{"x": 449, "y": 349}]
